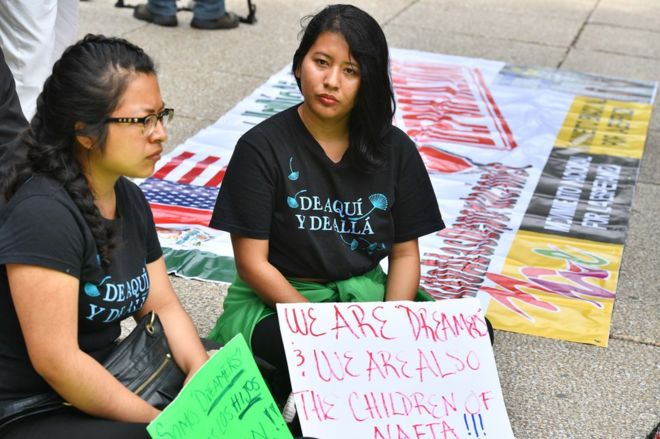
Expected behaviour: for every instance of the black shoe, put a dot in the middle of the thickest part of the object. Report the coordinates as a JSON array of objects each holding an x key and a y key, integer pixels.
[
  {"x": 142, "y": 12},
  {"x": 227, "y": 21}
]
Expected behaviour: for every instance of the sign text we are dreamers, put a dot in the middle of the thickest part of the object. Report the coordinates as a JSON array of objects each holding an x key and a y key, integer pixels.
[{"x": 388, "y": 370}]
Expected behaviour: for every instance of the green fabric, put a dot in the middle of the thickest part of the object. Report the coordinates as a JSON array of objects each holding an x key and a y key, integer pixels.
[
  {"x": 243, "y": 309},
  {"x": 196, "y": 264}
]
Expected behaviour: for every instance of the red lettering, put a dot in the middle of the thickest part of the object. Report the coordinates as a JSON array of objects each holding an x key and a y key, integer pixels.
[
  {"x": 404, "y": 363},
  {"x": 298, "y": 323},
  {"x": 472, "y": 360},
  {"x": 373, "y": 366},
  {"x": 449, "y": 404},
  {"x": 385, "y": 358},
  {"x": 343, "y": 325},
  {"x": 439, "y": 430},
  {"x": 350, "y": 405},
  {"x": 423, "y": 365},
  {"x": 358, "y": 314},
  {"x": 460, "y": 366},
  {"x": 382, "y": 323},
  {"x": 385, "y": 367},
  {"x": 319, "y": 406},
  {"x": 419, "y": 404},
  {"x": 327, "y": 369},
  {"x": 485, "y": 399},
  {"x": 437, "y": 363},
  {"x": 446, "y": 429},
  {"x": 510, "y": 290}
]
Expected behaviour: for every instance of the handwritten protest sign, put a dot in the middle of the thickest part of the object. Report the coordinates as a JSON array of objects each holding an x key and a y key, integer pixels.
[
  {"x": 393, "y": 370},
  {"x": 227, "y": 398}
]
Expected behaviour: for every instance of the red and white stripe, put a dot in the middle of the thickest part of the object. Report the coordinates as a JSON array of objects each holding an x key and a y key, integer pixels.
[{"x": 190, "y": 168}]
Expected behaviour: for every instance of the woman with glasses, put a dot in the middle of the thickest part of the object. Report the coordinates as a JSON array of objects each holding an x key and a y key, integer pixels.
[{"x": 78, "y": 246}]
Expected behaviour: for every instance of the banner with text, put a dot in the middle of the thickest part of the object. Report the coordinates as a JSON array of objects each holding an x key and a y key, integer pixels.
[
  {"x": 524, "y": 162},
  {"x": 393, "y": 370},
  {"x": 227, "y": 397}
]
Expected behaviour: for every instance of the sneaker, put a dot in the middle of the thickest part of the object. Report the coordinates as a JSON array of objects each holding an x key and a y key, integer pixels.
[
  {"x": 227, "y": 21},
  {"x": 142, "y": 12}
]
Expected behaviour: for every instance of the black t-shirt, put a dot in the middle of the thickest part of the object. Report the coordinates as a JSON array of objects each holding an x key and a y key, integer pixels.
[
  {"x": 323, "y": 219},
  {"x": 42, "y": 226}
]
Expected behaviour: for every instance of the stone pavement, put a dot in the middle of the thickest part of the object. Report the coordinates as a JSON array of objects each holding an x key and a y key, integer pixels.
[{"x": 552, "y": 389}]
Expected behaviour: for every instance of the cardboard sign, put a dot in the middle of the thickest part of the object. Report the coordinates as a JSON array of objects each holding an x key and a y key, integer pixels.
[
  {"x": 227, "y": 398},
  {"x": 392, "y": 370}
]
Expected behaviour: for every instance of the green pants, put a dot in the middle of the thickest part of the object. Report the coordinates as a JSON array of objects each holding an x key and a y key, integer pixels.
[{"x": 243, "y": 308}]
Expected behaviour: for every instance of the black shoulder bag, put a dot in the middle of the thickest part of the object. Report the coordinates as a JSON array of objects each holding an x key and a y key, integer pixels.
[{"x": 142, "y": 362}]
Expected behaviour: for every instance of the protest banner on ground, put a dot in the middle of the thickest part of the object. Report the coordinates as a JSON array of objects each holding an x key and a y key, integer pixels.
[
  {"x": 534, "y": 171},
  {"x": 227, "y": 398},
  {"x": 386, "y": 370}
]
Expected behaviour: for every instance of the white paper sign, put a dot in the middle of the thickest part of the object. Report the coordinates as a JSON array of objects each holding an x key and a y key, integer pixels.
[{"x": 393, "y": 370}]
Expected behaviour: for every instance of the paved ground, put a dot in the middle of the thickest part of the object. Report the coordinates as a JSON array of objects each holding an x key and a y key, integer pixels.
[{"x": 552, "y": 389}]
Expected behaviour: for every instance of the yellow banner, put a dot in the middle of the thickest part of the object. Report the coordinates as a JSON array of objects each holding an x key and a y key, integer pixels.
[
  {"x": 606, "y": 127},
  {"x": 556, "y": 287}
]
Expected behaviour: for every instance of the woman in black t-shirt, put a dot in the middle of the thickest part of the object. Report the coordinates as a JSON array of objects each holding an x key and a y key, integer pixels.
[
  {"x": 78, "y": 245},
  {"x": 316, "y": 196}
]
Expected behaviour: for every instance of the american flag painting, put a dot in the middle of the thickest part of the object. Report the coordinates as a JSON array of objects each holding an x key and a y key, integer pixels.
[
  {"x": 189, "y": 168},
  {"x": 176, "y": 203},
  {"x": 184, "y": 188}
]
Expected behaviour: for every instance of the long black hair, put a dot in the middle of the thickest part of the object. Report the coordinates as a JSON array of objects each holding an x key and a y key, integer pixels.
[
  {"x": 374, "y": 107},
  {"x": 86, "y": 85}
]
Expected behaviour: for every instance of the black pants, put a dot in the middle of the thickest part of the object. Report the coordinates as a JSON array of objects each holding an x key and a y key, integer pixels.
[
  {"x": 267, "y": 344},
  {"x": 70, "y": 423}
]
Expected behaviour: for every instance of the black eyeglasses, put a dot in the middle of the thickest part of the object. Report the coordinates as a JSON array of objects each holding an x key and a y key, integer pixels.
[{"x": 149, "y": 121}]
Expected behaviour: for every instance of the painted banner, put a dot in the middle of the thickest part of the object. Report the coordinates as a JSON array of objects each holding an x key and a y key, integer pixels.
[
  {"x": 227, "y": 397},
  {"x": 393, "y": 370},
  {"x": 534, "y": 171}
]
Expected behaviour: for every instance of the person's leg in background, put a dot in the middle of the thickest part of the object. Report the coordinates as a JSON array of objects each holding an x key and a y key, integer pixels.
[
  {"x": 66, "y": 28},
  {"x": 211, "y": 14},
  {"x": 33, "y": 36},
  {"x": 207, "y": 14},
  {"x": 160, "y": 12}
]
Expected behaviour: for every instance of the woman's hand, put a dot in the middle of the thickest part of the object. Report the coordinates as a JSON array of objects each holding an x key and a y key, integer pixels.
[
  {"x": 187, "y": 348},
  {"x": 191, "y": 373},
  {"x": 46, "y": 303},
  {"x": 251, "y": 257},
  {"x": 403, "y": 271}
]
